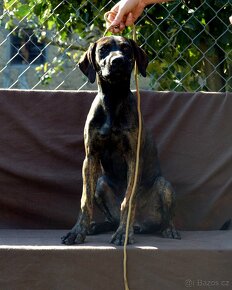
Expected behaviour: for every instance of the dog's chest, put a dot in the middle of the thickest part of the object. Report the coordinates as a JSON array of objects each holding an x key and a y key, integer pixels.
[
  {"x": 112, "y": 122},
  {"x": 109, "y": 136},
  {"x": 111, "y": 129}
]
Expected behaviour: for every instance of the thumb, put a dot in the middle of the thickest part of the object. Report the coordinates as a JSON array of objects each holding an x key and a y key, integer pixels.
[{"x": 118, "y": 18}]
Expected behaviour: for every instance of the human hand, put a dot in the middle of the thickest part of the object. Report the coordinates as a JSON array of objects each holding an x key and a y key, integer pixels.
[{"x": 123, "y": 14}]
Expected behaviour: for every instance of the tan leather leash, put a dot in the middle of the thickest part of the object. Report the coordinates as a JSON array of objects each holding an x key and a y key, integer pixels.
[{"x": 136, "y": 172}]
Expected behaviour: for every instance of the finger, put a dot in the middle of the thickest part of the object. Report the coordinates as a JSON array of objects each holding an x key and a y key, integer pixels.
[
  {"x": 118, "y": 28},
  {"x": 134, "y": 15},
  {"x": 129, "y": 20},
  {"x": 109, "y": 18},
  {"x": 122, "y": 26},
  {"x": 115, "y": 22},
  {"x": 116, "y": 31},
  {"x": 118, "y": 17}
]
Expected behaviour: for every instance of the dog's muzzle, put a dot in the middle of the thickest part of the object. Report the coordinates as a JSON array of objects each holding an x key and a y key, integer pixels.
[
  {"x": 120, "y": 66},
  {"x": 117, "y": 61}
]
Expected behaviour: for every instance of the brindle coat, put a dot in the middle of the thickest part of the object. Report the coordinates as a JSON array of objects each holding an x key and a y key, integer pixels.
[{"x": 110, "y": 137}]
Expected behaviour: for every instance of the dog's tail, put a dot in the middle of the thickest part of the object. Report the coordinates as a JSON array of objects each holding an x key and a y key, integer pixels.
[{"x": 226, "y": 226}]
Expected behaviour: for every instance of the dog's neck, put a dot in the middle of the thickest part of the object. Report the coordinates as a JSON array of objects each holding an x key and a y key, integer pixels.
[
  {"x": 114, "y": 96},
  {"x": 114, "y": 93}
]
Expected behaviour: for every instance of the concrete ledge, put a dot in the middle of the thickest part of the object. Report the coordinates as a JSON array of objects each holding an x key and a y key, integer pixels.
[{"x": 35, "y": 259}]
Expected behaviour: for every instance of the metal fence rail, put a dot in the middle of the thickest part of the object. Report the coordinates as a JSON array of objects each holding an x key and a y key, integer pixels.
[{"x": 189, "y": 44}]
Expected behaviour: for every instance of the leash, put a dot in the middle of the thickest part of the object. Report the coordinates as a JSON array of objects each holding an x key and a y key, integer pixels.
[{"x": 136, "y": 172}]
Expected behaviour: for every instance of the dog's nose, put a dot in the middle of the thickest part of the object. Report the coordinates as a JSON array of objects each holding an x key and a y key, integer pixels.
[{"x": 117, "y": 60}]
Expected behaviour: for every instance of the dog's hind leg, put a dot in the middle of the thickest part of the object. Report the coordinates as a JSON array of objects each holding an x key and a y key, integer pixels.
[
  {"x": 107, "y": 199},
  {"x": 108, "y": 202},
  {"x": 167, "y": 198}
]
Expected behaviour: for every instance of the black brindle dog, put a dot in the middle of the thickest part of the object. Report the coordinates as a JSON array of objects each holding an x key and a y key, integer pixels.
[{"x": 110, "y": 137}]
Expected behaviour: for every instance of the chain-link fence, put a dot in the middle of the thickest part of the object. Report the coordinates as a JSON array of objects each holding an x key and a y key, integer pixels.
[{"x": 189, "y": 45}]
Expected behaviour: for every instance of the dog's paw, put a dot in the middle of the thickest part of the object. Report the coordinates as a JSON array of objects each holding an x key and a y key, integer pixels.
[
  {"x": 73, "y": 238},
  {"x": 171, "y": 233},
  {"x": 92, "y": 229},
  {"x": 119, "y": 236}
]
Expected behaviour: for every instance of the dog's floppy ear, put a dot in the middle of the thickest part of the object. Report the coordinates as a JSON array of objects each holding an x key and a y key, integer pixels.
[
  {"x": 86, "y": 63},
  {"x": 140, "y": 57}
]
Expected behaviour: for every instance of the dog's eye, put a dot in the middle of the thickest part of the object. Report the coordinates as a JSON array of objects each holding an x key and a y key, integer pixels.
[
  {"x": 104, "y": 50},
  {"x": 126, "y": 48}
]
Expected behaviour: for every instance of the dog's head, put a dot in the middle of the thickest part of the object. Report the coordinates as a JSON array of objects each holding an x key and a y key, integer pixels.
[{"x": 113, "y": 58}]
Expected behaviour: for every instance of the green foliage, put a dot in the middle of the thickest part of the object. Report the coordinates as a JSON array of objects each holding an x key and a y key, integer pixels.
[
  {"x": 185, "y": 40},
  {"x": 181, "y": 39}
]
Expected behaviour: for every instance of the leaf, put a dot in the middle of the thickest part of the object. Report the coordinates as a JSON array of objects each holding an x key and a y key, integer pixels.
[
  {"x": 45, "y": 67},
  {"x": 50, "y": 24},
  {"x": 22, "y": 11},
  {"x": 9, "y": 4},
  {"x": 9, "y": 24},
  {"x": 203, "y": 21},
  {"x": 38, "y": 9}
]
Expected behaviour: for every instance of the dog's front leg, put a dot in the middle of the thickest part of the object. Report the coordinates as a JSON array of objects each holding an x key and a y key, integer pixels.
[
  {"x": 119, "y": 237},
  {"x": 90, "y": 172}
]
